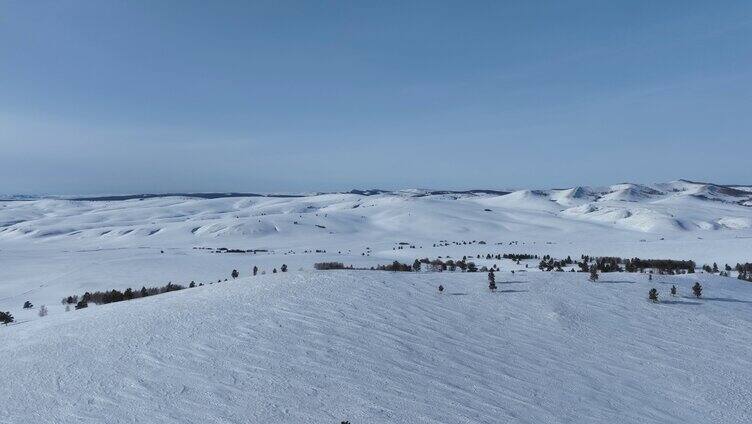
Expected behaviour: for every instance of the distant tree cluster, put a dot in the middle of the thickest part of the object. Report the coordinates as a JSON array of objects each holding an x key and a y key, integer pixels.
[
  {"x": 617, "y": 264},
  {"x": 395, "y": 266},
  {"x": 663, "y": 266},
  {"x": 548, "y": 263},
  {"x": 442, "y": 243},
  {"x": 226, "y": 250},
  {"x": 518, "y": 256},
  {"x": 437, "y": 265},
  {"x": 330, "y": 265},
  {"x": 111, "y": 296},
  {"x": 745, "y": 271}
]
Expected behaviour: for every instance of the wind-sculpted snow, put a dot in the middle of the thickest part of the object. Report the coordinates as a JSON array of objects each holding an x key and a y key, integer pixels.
[
  {"x": 381, "y": 347},
  {"x": 666, "y": 210}
]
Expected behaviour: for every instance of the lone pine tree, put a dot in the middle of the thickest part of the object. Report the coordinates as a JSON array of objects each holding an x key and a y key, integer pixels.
[
  {"x": 697, "y": 289},
  {"x": 6, "y": 318},
  {"x": 491, "y": 281},
  {"x": 653, "y": 295},
  {"x": 593, "y": 274},
  {"x": 673, "y": 290}
]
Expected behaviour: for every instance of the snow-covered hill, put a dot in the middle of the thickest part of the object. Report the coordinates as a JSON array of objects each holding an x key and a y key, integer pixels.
[
  {"x": 51, "y": 248},
  {"x": 381, "y": 347},
  {"x": 667, "y": 209},
  {"x": 370, "y": 346}
]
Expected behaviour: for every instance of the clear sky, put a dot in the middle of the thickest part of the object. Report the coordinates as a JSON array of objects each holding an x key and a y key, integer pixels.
[{"x": 154, "y": 96}]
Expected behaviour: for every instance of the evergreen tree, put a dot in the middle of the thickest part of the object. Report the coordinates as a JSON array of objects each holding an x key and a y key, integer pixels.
[
  {"x": 82, "y": 304},
  {"x": 491, "y": 281},
  {"x": 653, "y": 295},
  {"x": 697, "y": 289},
  {"x": 6, "y": 318},
  {"x": 441, "y": 288},
  {"x": 27, "y": 305},
  {"x": 673, "y": 290},
  {"x": 235, "y": 274},
  {"x": 416, "y": 265},
  {"x": 255, "y": 270},
  {"x": 42, "y": 311},
  {"x": 274, "y": 271},
  {"x": 593, "y": 273},
  {"x": 284, "y": 268}
]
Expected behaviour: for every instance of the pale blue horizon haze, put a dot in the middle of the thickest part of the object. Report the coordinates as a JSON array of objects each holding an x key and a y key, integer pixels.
[{"x": 166, "y": 96}]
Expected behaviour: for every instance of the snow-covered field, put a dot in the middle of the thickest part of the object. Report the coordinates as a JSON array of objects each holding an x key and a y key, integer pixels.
[
  {"x": 381, "y": 347},
  {"x": 50, "y": 248},
  {"x": 371, "y": 346}
]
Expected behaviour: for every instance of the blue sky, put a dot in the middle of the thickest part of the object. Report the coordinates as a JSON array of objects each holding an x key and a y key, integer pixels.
[{"x": 156, "y": 96}]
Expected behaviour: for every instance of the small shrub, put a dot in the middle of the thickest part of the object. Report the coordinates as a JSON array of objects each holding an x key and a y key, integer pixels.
[
  {"x": 653, "y": 295},
  {"x": 6, "y": 318},
  {"x": 27, "y": 305}
]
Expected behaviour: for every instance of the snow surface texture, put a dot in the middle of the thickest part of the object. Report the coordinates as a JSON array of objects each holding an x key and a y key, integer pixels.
[{"x": 381, "y": 347}]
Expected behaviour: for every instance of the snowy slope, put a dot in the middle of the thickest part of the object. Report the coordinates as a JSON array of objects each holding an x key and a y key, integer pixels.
[{"x": 379, "y": 347}]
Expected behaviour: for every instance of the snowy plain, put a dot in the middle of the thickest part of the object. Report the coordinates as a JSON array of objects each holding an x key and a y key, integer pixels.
[{"x": 370, "y": 346}]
